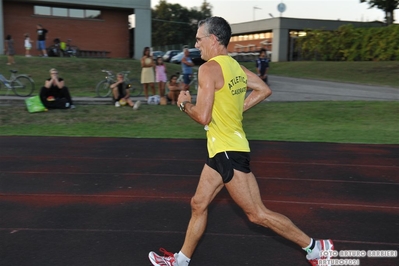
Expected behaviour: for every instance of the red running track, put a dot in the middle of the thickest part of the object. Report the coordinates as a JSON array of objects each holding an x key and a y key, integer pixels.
[{"x": 107, "y": 201}]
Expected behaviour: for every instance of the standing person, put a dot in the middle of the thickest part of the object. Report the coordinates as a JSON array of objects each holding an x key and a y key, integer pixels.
[
  {"x": 187, "y": 69},
  {"x": 160, "y": 74},
  {"x": 54, "y": 94},
  {"x": 41, "y": 39},
  {"x": 9, "y": 50},
  {"x": 121, "y": 93},
  {"x": 147, "y": 72},
  {"x": 28, "y": 45},
  {"x": 262, "y": 65},
  {"x": 219, "y": 107}
]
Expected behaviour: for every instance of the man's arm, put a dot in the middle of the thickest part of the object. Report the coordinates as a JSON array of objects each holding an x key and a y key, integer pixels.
[
  {"x": 258, "y": 66},
  {"x": 267, "y": 68},
  {"x": 54, "y": 81},
  {"x": 260, "y": 90},
  {"x": 48, "y": 83},
  {"x": 114, "y": 85},
  {"x": 201, "y": 112},
  {"x": 184, "y": 61},
  {"x": 59, "y": 83},
  {"x": 127, "y": 93}
]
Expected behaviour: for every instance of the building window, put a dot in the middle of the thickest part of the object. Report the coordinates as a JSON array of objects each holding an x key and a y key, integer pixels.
[
  {"x": 42, "y": 10},
  {"x": 67, "y": 12},
  {"x": 76, "y": 13},
  {"x": 59, "y": 12},
  {"x": 92, "y": 13}
]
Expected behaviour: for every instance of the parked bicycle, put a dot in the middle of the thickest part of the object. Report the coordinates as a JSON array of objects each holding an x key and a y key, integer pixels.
[
  {"x": 62, "y": 49},
  {"x": 70, "y": 50},
  {"x": 193, "y": 82},
  {"x": 103, "y": 88},
  {"x": 22, "y": 85}
]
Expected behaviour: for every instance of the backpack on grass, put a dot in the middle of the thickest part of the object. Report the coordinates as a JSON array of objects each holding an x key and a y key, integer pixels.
[{"x": 35, "y": 105}]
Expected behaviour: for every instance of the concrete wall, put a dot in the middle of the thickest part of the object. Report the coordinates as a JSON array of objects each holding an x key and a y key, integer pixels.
[{"x": 143, "y": 27}]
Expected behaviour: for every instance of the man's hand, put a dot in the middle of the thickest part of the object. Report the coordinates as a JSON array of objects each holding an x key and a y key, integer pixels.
[{"x": 183, "y": 96}]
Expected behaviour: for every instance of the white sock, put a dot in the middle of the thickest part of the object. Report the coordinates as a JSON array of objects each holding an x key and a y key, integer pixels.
[
  {"x": 309, "y": 248},
  {"x": 182, "y": 259},
  {"x": 313, "y": 252}
]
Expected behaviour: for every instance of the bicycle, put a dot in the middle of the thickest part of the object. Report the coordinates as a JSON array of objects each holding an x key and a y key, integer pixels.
[
  {"x": 22, "y": 85},
  {"x": 103, "y": 88},
  {"x": 193, "y": 81},
  {"x": 62, "y": 49},
  {"x": 70, "y": 50}
]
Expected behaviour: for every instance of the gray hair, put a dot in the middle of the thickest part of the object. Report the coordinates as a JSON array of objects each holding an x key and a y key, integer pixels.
[{"x": 219, "y": 27}]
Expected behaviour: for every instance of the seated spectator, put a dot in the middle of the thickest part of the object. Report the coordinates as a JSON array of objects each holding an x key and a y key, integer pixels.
[
  {"x": 121, "y": 94},
  {"x": 173, "y": 89},
  {"x": 54, "y": 94}
]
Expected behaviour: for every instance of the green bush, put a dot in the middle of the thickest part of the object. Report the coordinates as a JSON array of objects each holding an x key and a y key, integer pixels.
[{"x": 350, "y": 44}]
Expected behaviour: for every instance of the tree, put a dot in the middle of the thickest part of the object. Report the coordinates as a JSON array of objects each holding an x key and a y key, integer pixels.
[
  {"x": 388, "y": 6},
  {"x": 174, "y": 24}
]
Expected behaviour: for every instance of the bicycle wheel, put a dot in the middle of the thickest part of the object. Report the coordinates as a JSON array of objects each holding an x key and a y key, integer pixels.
[
  {"x": 23, "y": 86},
  {"x": 136, "y": 88},
  {"x": 76, "y": 51},
  {"x": 103, "y": 89}
]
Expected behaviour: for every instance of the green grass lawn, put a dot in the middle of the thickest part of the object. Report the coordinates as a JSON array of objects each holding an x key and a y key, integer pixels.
[
  {"x": 344, "y": 122},
  {"x": 82, "y": 75},
  {"x": 348, "y": 122},
  {"x": 371, "y": 73}
]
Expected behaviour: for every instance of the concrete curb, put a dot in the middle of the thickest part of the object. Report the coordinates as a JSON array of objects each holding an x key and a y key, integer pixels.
[{"x": 17, "y": 100}]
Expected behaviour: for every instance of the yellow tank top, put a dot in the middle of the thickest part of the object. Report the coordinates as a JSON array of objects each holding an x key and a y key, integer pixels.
[{"x": 225, "y": 132}]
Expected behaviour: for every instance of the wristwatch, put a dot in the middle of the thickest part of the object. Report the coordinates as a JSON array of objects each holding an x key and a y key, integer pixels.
[{"x": 182, "y": 106}]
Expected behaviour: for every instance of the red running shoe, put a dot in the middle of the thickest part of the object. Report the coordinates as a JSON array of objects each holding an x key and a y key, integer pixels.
[
  {"x": 168, "y": 259},
  {"x": 325, "y": 248}
]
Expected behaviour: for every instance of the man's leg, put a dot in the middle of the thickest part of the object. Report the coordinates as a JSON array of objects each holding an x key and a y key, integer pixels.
[
  {"x": 43, "y": 96},
  {"x": 115, "y": 93},
  {"x": 186, "y": 82},
  {"x": 43, "y": 46},
  {"x": 64, "y": 93},
  {"x": 209, "y": 185},
  {"x": 244, "y": 190}
]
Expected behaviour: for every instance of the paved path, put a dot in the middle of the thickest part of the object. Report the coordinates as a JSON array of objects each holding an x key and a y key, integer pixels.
[
  {"x": 284, "y": 89},
  {"x": 294, "y": 89}
]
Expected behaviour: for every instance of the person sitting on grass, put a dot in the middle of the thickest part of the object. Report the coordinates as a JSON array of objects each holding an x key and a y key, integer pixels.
[
  {"x": 54, "y": 94},
  {"x": 173, "y": 89},
  {"x": 121, "y": 94}
]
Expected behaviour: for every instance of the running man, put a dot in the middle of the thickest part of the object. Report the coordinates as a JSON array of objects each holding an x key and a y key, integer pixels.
[{"x": 220, "y": 105}]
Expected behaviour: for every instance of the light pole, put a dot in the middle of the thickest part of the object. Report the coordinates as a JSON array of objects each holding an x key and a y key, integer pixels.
[{"x": 254, "y": 8}]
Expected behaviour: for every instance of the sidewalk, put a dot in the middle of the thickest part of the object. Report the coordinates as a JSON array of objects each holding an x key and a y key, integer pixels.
[{"x": 284, "y": 90}]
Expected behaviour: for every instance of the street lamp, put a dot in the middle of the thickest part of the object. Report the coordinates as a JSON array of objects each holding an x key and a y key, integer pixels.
[{"x": 255, "y": 7}]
